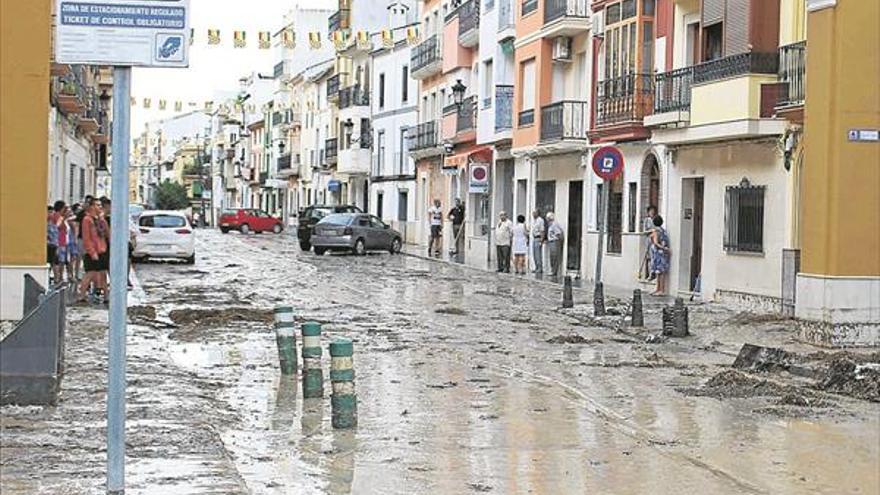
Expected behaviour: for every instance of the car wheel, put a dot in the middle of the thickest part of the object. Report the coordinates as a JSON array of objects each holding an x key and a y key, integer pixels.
[
  {"x": 305, "y": 246},
  {"x": 277, "y": 228},
  {"x": 225, "y": 230},
  {"x": 319, "y": 251},
  {"x": 395, "y": 246},
  {"x": 360, "y": 248},
  {"x": 191, "y": 260},
  {"x": 245, "y": 229}
]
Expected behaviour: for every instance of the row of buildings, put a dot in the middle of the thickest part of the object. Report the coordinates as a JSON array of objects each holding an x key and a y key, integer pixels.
[{"x": 707, "y": 100}]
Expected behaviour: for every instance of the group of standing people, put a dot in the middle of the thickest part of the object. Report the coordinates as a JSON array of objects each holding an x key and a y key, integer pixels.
[
  {"x": 78, "y": 237},
  {"x": 518, "y": 239}
]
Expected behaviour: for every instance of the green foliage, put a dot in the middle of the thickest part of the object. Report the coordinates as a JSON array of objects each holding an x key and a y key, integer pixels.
[{"x": 171, "y": 196}]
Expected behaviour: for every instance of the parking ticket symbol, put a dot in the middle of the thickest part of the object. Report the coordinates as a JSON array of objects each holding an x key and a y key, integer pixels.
[{"x": 169, "y": 47}]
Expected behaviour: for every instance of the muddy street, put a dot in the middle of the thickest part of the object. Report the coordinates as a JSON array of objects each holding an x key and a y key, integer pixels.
[{"x": 467, "y": 382}]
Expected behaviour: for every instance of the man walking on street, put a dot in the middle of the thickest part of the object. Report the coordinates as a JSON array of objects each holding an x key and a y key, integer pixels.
[
  {"x": 503, "y": 235},
  {"x": 538, "y": 231},
  {"x": 456, "y": 215},
  {"x": 555, "y": 236},
  {"x": 435, "y": 217}
]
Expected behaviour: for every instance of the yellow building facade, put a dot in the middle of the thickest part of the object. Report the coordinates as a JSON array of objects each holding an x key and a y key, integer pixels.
[
  {"x": 25, "y": 52},
  {"x": 838, "y": 287}
]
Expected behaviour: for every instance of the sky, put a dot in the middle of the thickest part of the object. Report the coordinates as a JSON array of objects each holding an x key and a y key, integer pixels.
[{"x": 214, "y": 68}]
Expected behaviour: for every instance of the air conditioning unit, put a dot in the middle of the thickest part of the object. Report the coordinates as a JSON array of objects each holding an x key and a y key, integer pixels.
[
  {"x": 562, "y": 49},
  {"x": 599, "y": 24}
]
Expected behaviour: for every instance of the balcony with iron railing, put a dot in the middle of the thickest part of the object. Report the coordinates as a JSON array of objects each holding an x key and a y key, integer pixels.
[
  {"x": 466, "y": 114},
  {"x": 624, "y": 100},
  {"x": 70, "y": 91},
  {"x": 469, "y": 23},
  {"x": 558, "y": 9},
  {"x": 333, "y": 83},
  {"x": 338, "y": 20},
  {"x": 284, "y": 162},
  {"x": 331, "y": 149},
  {"x": 425, "y": 60},
  {"x": 88, "y": 119},
  {"x": 792, "y": 74},
  {"x": 503, "y": 108},
  {"x": 736, "y": 65},
  {"x": 672, "y": 97},
  {"x": 564, "y": 120},
  {"x": 353, "y": 96},
  {"x": 424, "y": 139}
]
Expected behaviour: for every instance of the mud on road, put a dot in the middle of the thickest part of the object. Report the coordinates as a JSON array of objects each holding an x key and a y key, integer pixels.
[{"x": 468, "y": 382}]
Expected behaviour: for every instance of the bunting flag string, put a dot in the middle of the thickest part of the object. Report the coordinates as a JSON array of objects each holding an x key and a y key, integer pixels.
[{"x": 341, "y": 39}]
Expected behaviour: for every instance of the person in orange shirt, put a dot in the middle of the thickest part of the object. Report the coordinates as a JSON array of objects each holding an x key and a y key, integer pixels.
[{"x": 95, "y": 246}]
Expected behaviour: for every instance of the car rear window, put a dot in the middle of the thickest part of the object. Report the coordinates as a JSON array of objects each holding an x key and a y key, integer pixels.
[
  {"x": 162, "y": 221},
  {"x": 337, "y": 219}
]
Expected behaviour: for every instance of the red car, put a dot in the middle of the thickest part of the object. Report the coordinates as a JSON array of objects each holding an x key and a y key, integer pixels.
[{"x": 247, "y": 220}]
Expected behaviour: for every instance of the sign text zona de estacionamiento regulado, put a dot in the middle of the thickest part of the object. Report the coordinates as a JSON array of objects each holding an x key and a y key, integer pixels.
[{"x": 145, "y": 33}]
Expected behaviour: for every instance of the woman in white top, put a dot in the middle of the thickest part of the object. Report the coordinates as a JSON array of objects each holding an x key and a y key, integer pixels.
[{"x": 520, "y": 244}]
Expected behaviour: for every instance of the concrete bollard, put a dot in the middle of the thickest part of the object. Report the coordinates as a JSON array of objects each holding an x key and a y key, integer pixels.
[
  {"x": 343, "y": 402},
  {"x": 313, "y": 375},
  {"x": 567, "y": 299},
  {"x": 675, "y": 319},
  {"x": 638, "y": 317},
  {"x": 285, "y": 338},
  {"x": 599, "y": 300}
]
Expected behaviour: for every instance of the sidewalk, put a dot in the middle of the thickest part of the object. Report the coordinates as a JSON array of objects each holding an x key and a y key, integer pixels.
[{"x": 582, "y": 289}]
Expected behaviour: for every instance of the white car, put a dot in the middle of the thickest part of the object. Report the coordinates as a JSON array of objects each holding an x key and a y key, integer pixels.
[{"x": 165, "y": 234}]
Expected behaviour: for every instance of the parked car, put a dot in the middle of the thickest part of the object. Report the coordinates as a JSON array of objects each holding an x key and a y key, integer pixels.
[
  {"x": 164, "y": 234},
  {"x": 356, "y": 232},
  {"x": 247, "y": 220},
  {"x": 311, "y": 215}
]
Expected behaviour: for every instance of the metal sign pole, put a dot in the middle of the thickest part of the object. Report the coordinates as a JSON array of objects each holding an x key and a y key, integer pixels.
[
  {"x": 602, "y": 215},
  {"x": 118, "y": 281}
]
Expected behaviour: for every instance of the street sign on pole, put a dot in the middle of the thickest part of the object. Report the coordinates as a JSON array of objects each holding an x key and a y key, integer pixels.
[
  {"x": 121, "y": 33},
  {"x": 142, "y": 33},
  {"x": 607, "y": 165}
]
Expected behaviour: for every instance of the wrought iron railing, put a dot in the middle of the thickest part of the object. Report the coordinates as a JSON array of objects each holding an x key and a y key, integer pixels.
[
  {"x": 353, "y": 96},
  {"x": 468, "y": 17},
  {"x": 564, "y": 120},
  {"x": 792, "y": 71},
  {"x": 529, "y": 6},
  {"x": 505, "y": 15},
  {"x": 425, "y": 53},
  {"x": 736, "y": 65},
  {"x": 525, "y": 118},
  {"x": 333, "y": 86},
  {"x": 557, "y": 9},
  {"x": 277, "y": 118},
  {"x": 284, "y": 162},
  {"x": 503, "y": 107},
  {"x": 624, "y": 99},
  {"x": 278, "y": 70},
  {"x": 466, "y": 114},
  {"x": 672, "y": 90},
  {"x": 422, "y": 136}
]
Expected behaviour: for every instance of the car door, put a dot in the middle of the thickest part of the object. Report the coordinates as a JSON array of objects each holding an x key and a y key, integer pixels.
[
  {"x": 264, "y": 220},
  {"x": 362, "y": 229},
  {"x": 381, "y": 232}
]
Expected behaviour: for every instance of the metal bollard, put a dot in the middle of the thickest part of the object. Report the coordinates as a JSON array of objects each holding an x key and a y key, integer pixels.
[
  {"x": 638, "y": 318},
  {"x": 313, "y": 375},
  {"x": 599, "y": 300},
  {"x": 567, "y": 299},
  {"x": 285, "y": 338},
  {"x": 343, "y": 402}
]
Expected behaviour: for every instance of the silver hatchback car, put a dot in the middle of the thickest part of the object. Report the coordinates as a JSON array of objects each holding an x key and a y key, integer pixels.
[{"x": 356, "y": 232}]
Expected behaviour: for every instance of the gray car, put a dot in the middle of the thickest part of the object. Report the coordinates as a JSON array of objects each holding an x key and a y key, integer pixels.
[{"x": 356, "y": 232}]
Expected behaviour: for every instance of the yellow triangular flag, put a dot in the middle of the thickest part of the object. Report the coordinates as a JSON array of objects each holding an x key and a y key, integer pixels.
[
  {"x": 265, "y": 40},
  {"x": 213, "y": 36},
  {"x": 387, "y": 38},
  {"x": 288, "y": 38},
  {"x": 315, "y": 40},
  {"x": 239, "y": 39}
]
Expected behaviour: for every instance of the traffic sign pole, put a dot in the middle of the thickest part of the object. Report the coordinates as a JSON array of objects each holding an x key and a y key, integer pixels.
[
  {"x": 118, "y": 281},
  {"x": 607, "y": 165}
]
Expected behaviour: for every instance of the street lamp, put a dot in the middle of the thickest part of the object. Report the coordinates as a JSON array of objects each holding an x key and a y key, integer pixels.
[
  {"x": 458, "y": 90},
  {"x": 281, "y": 146}
]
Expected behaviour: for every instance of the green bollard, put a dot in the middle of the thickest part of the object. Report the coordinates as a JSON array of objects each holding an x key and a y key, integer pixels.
[
  {"x": 313, "y": 375},
  {"x": 285, "y": 338},
  {"x": 343, "y": 402}
]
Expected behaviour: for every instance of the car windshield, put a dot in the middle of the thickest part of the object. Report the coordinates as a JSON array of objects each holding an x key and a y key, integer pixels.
[
  {"x": 162, "y": 221},
  {"x": 337, "y": 219}
]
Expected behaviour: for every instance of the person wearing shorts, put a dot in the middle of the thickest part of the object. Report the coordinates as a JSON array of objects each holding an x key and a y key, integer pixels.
[{"x": 95, "y": 246}]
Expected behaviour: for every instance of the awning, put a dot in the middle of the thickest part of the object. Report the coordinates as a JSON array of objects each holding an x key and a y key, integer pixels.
[
  {"x": 482, "y": 154},
  {"x": 334, "y": 185}
]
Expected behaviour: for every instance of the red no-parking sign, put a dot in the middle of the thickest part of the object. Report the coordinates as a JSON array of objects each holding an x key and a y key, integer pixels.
[{"x": 608, "y": 162}]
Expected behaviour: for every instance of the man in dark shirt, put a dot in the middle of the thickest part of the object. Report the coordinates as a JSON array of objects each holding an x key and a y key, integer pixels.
[{"x": 456, "y": 215}]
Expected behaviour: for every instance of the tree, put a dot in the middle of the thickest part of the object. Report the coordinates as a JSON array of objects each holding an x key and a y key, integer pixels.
[{"x": 171, "y": 196}]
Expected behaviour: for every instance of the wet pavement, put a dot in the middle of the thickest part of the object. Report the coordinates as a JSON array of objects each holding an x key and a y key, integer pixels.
[{"x": 467, "y": 382}]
